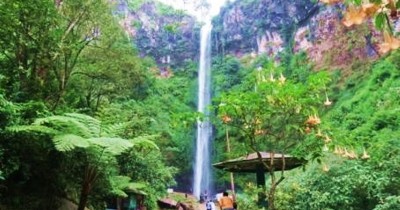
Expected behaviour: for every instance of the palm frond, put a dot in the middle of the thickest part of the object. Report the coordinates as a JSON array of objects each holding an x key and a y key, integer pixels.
[
  {"x": 114, "y": 146},
  {"x": 32, "y": 128},
  {"x": 68, "y": 142}
]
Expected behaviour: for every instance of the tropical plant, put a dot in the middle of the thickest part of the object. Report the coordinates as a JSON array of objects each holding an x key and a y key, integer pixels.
[
  {"x": 278, "y": 117},
  {"x": 77, "y": 132}
]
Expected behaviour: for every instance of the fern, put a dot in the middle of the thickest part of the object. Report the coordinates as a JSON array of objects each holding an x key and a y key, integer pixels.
[
  {"x": 114, "y": 130},
  {"x": 65, "y": 124},
  {"x": 145, "y": 142},
  {"x": 68, "y": 142},
  {"x": 114, "y": 146},
  {"x": 93, "y": 125},
  {"x": 32, "y": 128},
  {"x": 118, "y": 184},
  {"x": 81, "y": 131},
  {"x": 136, "y": 187},
  {"x": 122, "y": 184}
]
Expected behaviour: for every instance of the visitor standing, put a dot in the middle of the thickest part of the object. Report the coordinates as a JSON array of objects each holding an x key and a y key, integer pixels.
[
  {"x": 226, "y": 203},
  {"x": 210, "y": 205}
]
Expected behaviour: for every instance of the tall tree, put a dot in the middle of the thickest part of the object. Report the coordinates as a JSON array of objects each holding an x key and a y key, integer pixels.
[
  {"x": 100, "y": 147},
  {"x": 42, "y": 42},
  {"x": 277, "y": 117}
]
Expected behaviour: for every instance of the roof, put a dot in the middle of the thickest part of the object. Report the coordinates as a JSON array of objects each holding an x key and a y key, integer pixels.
[
  {"x": 168, "y": 201},
  {"x": 251, "y": 163}
]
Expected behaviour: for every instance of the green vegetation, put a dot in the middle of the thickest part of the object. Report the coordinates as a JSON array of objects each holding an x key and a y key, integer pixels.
[
  {"x": 355, "y": 170},
  {"x": 135, "y": 5},
  {"x": 83, "y": 118}
]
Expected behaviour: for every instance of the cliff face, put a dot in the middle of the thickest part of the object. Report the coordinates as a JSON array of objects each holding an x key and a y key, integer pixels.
[
  {"x": 259, "y": 26},
  {"x": 159, "y": 31},
  {"x": 268, "y": 26}
]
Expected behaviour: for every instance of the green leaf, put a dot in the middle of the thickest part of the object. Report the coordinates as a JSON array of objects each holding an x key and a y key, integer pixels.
[
  {"x": 145, "y": 142},
  {"x": 380, "y": 21},
  {"x": 32, "y": 128},
  {"x": 357, "y": 2},
  {"x": 65, "y": 124},
  {"x": 93, "y": 125},
  {"x": 114, "y": 146},
  {"x": 118, "y": 184},
  {"x": 114, "y": 129},
  {"x": 134, "y": 186},
  {"x": 68, "y": 142}
]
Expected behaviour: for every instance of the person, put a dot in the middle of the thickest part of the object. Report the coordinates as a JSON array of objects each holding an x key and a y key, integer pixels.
[
  {"x": 210, "y": 205},
  {"x": 226, "y": 203}
]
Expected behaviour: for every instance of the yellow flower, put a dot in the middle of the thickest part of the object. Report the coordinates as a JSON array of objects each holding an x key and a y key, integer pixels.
[
  {"x": 259, "y": 132},
  {"x": 370, "y": 9},
  {"x": 331, "y": 1},
  {"x": 319, "y": 133},
  {"x": 325, "y": 148},
  {"x": 327, "y": 102},
  {"x": 327, "y": 139},
  {"x": 365, "y": 155},
  {"x": 307, "y": 130},
  {"x": 325, "y": 168},
  {"x": 390, "y": 43},
  {"x": 338, "y": 151},
  {"x": 226, "y": 119},
  {"x": 282, "y": 79},
  {"x": 313, "y": 120},
  {"x": 352, "y": 155},
  {"x": 271, "y": 78},
  {"x": 354, "y": 16}
]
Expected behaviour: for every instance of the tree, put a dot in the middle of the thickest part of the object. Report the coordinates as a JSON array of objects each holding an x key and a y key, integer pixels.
[
  {"x": 278, "y": 117},
  {"x": 43, "y": 42},
  {"x": 83, "y": 134},
  {"x": 108, "y": 72}
]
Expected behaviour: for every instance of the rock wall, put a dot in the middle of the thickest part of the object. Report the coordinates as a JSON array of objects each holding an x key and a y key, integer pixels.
[
  {"x": 269, "y": 26},
  {"x": 161, "y": 32},
  {"x": 260, "y": 26}
]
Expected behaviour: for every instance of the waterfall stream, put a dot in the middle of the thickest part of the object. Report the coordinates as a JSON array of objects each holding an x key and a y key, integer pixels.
[{"x": 202, "y": 168}]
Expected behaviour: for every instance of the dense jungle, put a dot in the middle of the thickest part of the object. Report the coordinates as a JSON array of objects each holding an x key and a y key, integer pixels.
[{"x": 165, "y": 104}]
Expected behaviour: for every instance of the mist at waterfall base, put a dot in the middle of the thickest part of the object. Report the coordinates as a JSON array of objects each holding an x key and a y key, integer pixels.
[{"x": 202, "y": 168}]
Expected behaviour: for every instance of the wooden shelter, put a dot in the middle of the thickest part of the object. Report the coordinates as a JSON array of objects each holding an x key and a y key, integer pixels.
[{"x": 251, "y": 163}]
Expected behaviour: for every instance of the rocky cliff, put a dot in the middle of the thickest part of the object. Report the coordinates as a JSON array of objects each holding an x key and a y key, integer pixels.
[
  {"x": 269, "y": 26},
  {"x": 169, "y": 36},
  {"x": 259, "y": 26}
]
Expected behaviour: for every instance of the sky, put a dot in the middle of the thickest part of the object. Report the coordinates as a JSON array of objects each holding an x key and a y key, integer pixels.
[{"x": 192, "y": 7}]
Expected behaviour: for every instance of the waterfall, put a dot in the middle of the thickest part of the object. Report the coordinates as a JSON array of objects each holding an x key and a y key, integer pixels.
[{"x": 202, "y": 168}]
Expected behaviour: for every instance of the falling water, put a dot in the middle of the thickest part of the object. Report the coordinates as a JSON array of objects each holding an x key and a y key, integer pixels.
[{"x": 202, "y": 168}]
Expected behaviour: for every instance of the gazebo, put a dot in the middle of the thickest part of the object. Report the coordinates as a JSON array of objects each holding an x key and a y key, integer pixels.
[{"x": 251, "y": 164}]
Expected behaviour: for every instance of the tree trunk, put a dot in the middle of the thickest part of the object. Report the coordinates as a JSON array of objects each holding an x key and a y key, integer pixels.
[
  {"x": 88, "y": 181},
  {"x": 271, "y": 198},
  {"x": 84, "y": 196}
]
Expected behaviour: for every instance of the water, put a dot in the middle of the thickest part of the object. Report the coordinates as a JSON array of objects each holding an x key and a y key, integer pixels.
[{"x": 202, "y": 168}]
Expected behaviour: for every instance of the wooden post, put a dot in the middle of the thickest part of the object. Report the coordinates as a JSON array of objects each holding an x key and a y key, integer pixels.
[
  {"x": 231, "y": 174},
  {"x": 261, "y": 184}
]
